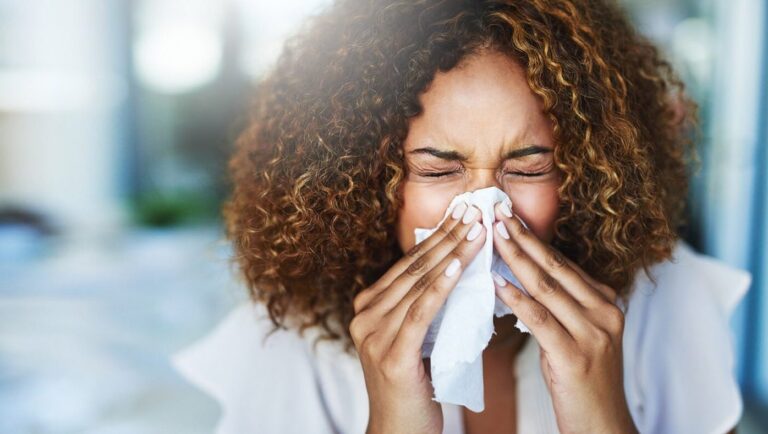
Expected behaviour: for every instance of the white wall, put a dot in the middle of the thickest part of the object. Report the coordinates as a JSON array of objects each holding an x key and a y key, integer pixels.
[{"x": 58, "y": 100}]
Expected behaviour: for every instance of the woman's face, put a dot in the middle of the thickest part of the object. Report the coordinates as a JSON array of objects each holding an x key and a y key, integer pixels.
[{"x": 481, "y": 126}]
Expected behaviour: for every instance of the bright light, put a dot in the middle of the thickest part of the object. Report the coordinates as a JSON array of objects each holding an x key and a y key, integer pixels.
[
  {"x": 177, "y": 57},
  {"x": 265, "y": 25},
  {"x": 692, "y": 42}
]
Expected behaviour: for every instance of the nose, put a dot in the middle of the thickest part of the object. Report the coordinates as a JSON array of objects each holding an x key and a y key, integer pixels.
[{"x": 477, "y": 179}]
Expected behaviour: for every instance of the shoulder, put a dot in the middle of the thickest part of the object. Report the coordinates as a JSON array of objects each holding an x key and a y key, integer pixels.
[
  {"x": 257, "y": 374},
  {"x": 690, "y": 295},
  {"x": 696, "y": 278},
  {"x": 679, "y": 345}
]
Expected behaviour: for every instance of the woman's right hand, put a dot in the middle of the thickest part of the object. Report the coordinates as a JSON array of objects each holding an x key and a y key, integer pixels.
[{"x": 391, "y": 321}]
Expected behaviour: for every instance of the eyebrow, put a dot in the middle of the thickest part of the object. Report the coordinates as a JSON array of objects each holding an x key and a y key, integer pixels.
[{"x": 457, "y": 156}]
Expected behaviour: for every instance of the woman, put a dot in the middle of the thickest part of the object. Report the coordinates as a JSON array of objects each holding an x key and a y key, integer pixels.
[{"x": 373, "y": 119}]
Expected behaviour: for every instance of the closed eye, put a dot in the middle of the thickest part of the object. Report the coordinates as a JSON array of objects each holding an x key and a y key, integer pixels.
[
  {"x": 526, "y": 173},
  {"x": 442, "y": 174},
  {"x": 439, "y": 174}
]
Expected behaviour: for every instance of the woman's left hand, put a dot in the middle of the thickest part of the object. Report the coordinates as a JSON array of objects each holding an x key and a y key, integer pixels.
[{"x": 577, "y": 325}]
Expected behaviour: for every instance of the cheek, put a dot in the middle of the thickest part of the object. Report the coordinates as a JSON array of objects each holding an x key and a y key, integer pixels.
[
  {"x": 423, "y": 207},
  {"x": 538, "y": 207}
]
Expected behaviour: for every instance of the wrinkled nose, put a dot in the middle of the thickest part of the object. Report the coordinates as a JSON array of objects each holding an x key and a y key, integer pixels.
[{"x": 475, "y": 179}]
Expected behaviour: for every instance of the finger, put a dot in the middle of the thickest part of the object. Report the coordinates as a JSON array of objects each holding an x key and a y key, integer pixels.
[
  {"x": 456, "y": 241},
  {"x": 608, "y": 293},
  {"x": 540, "y": 285},
  {"x": 550, "y": 260},
  {"x": 456, "y": 213},
  {"x": 549, "y": 332},
  {"x": 464, "y": 253},
  {"x": 417, "y": 313}
]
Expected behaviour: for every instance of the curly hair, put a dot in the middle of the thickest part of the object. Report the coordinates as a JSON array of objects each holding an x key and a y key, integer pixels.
[{"x": 316, "y": 173}]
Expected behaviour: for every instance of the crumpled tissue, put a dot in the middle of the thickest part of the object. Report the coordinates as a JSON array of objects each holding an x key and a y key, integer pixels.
[{"x": 463, "y": 327}]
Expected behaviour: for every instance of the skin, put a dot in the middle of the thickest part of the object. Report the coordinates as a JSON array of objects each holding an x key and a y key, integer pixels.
[{"x": 480, "y": 111}]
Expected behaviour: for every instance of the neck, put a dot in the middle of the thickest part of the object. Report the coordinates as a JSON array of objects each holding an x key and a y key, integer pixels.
[{"x": 507, "y": 338}]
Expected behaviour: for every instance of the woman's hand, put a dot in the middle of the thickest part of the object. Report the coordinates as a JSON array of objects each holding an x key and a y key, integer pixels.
[
  {"x": 391, "y": 321},
  {"x": 577, "y": 325}
]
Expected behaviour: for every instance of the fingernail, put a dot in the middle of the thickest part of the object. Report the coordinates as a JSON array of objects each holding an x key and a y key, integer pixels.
[
  {"x": 475, "y": 231},
  {"x": 453, "y": 267},
  {"x": 470, "y": 215},
  {"x": 506, "y": 210},
  {"x": 502, "y": 230},
  {"x": 498, "y": 279},
  {"x": 459, "y": 210}
]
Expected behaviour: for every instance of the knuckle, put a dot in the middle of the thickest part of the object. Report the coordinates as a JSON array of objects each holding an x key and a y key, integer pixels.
[
  {"x": 416, "y": 313},
  {"x": 444, "y": 230},
  {"x": 421, "y": 284},
  {"x": 373, "y": 346},
  {"x": 415, "y": 251},
  {"x": 539, "y": 314},
  {"x": 356, "y": 330},
  {"x": 548, "y": 284},
  {"x": 520, "y": 230},
  {"x": 417, "y": 267},
  {"x": 360, "y": 300},
  {"x": 462, "y": 250},
  {"x": 601, "y": 340},
  {"x": 514, "y": 295},
  {"x": 367, "y": 346},
  {"x": 614, "y": 318},
  {"x": 455, "y": 234},
  {"x": 610, "y": 292},
  {"x": 357, "y": 304},
  {"x": 555, "y": 259}
]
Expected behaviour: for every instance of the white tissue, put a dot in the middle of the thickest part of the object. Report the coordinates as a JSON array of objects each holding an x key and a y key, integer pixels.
[{"x": 464, "y": 325}]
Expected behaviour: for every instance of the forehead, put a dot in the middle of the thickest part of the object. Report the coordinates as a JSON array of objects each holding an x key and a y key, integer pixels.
[{"x": 482, "y": 105}]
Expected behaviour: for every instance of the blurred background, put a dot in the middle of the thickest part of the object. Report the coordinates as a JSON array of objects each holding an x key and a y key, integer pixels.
[{"x": 116, "y": 119}]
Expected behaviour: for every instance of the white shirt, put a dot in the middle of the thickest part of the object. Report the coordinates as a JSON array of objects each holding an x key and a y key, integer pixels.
[{"x": 678, "y": 364}]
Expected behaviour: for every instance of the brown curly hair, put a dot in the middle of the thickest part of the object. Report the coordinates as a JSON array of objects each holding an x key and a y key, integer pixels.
[{"x": 317, "y": 171}]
